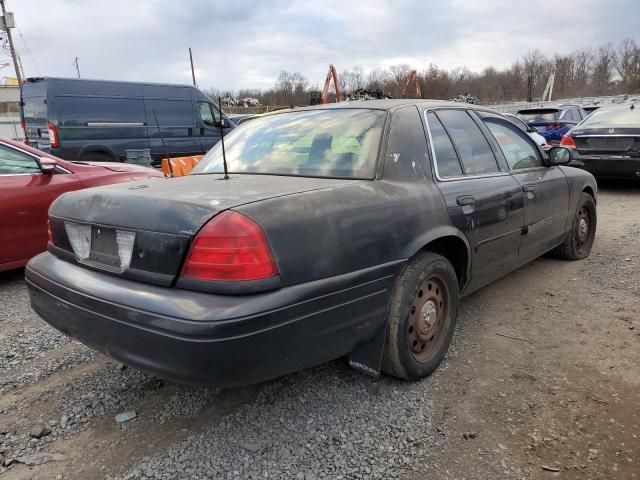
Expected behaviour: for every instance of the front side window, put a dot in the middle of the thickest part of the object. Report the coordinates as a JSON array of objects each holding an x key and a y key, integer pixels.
[
  {"x": 13, "y": 162},
  {"x": 324, "y": 143},
  {"x": 209, "y": 115},
  {"x": 517, "y": 150},
  {"x": 447, "y": 163},
  {"x": 470, "y": 143}
]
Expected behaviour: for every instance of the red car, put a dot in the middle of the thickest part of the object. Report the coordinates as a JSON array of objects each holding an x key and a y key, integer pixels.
[{"x": 30, "y": 180}]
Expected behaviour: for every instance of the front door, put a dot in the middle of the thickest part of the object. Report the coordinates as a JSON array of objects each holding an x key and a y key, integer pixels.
[
  {"x": 209, "y": 128},
  {"x": 25, "y": 196},
  {"x": 545, "y": 188},
  {"x": 483, "y": 201}
]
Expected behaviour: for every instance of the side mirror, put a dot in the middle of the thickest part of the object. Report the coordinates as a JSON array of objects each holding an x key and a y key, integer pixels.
[
  {"x": 560, "y": 156},
  {"x": 47, "y": 165}
]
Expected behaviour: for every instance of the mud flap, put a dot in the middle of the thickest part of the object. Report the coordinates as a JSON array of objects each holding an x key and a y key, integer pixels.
[{"x": 367, "y": 357}]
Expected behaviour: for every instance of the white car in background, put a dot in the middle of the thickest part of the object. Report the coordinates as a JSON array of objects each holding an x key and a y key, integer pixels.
[{"x": 529, "y": 129}]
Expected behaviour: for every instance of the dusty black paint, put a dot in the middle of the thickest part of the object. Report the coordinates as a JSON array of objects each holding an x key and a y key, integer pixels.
[{"x": 338, "y": 244}]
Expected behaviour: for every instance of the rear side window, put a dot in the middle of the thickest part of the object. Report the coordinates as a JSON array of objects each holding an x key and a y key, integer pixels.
[
  {"x": 447, "y": 163},
  {"x": 13, "y": 162},
  {"x": 407, "y": 145},
  {"x": 171, "y": 113},
  {"x": 80, "y": 111},
  {"x": 470, "y": 143}
]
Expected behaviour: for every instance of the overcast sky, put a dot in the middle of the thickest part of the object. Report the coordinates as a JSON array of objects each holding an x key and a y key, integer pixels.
[{"x": 245, "y": 44}]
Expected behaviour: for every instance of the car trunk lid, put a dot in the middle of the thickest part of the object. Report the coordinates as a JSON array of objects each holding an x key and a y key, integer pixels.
[
  {"x": 608, "y": 141},
  {"x": 142, "y": 230}
]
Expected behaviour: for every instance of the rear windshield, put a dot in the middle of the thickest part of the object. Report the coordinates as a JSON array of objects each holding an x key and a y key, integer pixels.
[
  {"x": 619, "y": 116},
  {"x": 318, "y": 143},
  {"x": 540, "y": 115}
]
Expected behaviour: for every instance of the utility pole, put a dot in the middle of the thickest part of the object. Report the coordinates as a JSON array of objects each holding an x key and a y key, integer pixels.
[
  {"x": 77, "y": 67},
  {"x": 193, "y": 73},
  {"x": 9, "y": 25}
]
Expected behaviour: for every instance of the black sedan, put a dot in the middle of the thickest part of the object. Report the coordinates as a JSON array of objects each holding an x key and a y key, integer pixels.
[
  {"x": 342, "y": 230},
  {"x": 608, "y": 142}
]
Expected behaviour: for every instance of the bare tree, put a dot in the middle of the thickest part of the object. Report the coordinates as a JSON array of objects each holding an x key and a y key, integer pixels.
[
  {"x": 628, "y": 64},
  {"x": 603, "y": 66}
]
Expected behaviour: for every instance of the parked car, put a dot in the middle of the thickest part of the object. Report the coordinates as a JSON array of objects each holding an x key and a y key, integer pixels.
[
  {"x": 553, "y": 122},
  {"x": 29, "y": 181},
  {"x": 608, "y": 142},
  {"x": 590, "y": 108},
  {"x": 97, "y": 120},
  {"x": 528, "y": 129},
  {"x": 341, "y": 230}
]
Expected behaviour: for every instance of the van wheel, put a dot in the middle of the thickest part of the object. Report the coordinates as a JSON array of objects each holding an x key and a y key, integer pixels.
[
  {"x": 422, "y": 317},
  {"x": 580, "y": 239},
  {"x": 96, "y": 157}
]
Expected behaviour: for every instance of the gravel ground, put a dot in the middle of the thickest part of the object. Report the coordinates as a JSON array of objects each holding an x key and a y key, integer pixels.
[{"x": 500, "y": 406}]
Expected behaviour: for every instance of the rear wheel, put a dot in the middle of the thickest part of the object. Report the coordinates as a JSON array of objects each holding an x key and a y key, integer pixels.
[
  {"x": 422, "y": 317},
  {"x": 578, "y": 243}
]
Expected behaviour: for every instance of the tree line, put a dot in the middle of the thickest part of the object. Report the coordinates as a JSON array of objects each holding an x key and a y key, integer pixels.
[{"x": 606, "y": 70}]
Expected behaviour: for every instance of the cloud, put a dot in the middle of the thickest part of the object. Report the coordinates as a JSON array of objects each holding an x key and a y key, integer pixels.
[{"x": 244, "y": 44}]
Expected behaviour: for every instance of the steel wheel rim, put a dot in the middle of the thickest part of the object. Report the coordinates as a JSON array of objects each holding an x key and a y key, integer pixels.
[
  {"x": 428, "y": 319},
  {"x": 583, "y": 228}
]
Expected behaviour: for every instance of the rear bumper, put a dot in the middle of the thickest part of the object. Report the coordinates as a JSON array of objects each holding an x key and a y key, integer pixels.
[
  {"x": 199, "y": 338},
  {"x": 609, "y": 166}
]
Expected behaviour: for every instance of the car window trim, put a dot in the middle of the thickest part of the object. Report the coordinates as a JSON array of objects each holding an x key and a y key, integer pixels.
[{"x": 435, "y": 159}]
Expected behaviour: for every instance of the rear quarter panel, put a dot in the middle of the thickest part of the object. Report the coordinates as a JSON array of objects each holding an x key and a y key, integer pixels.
[{"x": 370, "y": 224}]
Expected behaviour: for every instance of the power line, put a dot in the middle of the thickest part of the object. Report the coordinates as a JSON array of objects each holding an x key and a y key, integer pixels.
[{"x": 28, "y": 50}]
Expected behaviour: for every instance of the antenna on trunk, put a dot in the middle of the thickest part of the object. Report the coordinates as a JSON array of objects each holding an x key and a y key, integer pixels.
[
  {"x": 164, "y": 145},
  {"x": 224, "y": 155}
]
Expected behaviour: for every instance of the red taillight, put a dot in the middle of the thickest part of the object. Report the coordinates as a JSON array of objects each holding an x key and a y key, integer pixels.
[
  {"x": 53, "y": 135},
  {"x": 568, "y": 142},
  {"x": 230, "y": 247}
]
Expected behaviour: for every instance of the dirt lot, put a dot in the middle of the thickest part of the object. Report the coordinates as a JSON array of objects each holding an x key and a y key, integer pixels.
[{"x": 543, "y": 381}]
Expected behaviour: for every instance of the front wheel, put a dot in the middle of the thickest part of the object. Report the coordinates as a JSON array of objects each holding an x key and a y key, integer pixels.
[{"x": 422, "y": 317}]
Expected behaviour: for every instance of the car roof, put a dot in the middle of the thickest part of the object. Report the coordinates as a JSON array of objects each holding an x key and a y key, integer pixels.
[{"x": 386, "y": 104}]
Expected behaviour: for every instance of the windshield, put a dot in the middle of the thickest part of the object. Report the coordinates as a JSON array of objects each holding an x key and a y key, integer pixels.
[
  {"x": 617, "y": 116},
  {"x": 534, "y": 116},
  {"x": 318, "y": 143}
]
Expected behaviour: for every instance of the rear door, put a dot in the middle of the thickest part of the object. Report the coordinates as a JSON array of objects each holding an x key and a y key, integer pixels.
[
  {"x": 34, "y": 114},
  {"x": 25, "y": 196},
  {"x": 171, "y": 121},
  {"x": 483, "y": 200},
  {"x": 546, "y": 189}
]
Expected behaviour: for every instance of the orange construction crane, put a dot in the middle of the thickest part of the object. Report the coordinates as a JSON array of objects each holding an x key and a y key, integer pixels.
[
  {"x": 413, "y": 76},
  {"x": 325, "y": 91}
]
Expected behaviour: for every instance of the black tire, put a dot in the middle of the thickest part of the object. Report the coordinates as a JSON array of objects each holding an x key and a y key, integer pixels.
[
  {"x": 405, "y": 354},
  {"x": 580, "y": 239},
  {"x": 97, "y": 157}
]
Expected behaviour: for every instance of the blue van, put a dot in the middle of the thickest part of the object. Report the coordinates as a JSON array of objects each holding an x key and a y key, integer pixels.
[{"x": 96, "y": 120}]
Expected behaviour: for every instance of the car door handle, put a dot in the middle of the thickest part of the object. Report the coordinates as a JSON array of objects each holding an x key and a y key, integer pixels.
[
  {"x": 529, "y": 188},
  {"x": 190, "y": 131},
  {"x": 464, "y": 200}
]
